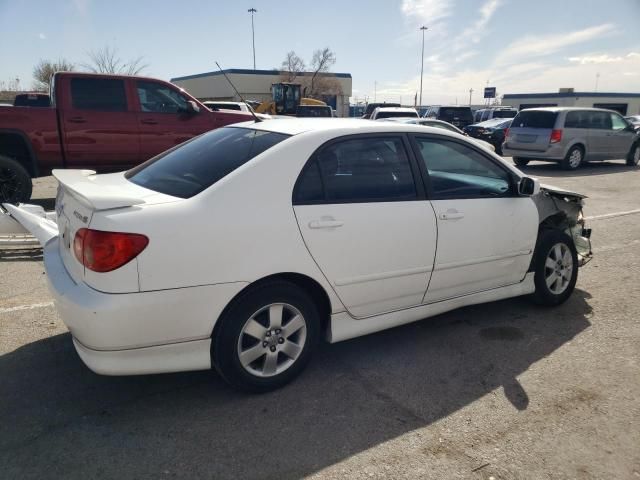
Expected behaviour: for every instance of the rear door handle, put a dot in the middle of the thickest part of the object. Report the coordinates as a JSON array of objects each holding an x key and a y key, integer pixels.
[
  {"x": 77, "y": 120},
  {"x": 451, "y": 215},
  {"x": 325, "y": 224},
  {"x": 149, "y": 121}
]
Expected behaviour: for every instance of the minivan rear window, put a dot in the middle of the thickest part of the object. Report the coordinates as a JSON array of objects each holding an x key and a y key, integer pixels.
[
  {"x": 449, "y": 113},
  {"x": 504, "y": 113},
  {"x": 194, "y": 166},
  {"x": 535, "y": 119}
]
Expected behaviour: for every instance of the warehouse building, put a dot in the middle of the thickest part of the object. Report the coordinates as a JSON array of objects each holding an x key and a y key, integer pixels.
[
  {"x": 625, "y": 103},
  {"x": 256, "y": 85}
]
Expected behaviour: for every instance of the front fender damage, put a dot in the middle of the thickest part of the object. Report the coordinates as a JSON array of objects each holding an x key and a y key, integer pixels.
[{"x": 559, "y": 208}]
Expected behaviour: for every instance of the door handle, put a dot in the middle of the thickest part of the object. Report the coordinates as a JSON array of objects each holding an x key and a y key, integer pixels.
[
  {"x": 149, "y": 121},
  {"x": 325, "y": 224},
  {"x": 77, "y": 120},
  {"x": 451, "y": 215}
]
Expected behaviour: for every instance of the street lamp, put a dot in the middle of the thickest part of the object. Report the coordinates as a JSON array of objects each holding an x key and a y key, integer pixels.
[
  {"x": 253, "y": 36},
  {"x": 423, "y": 28}
]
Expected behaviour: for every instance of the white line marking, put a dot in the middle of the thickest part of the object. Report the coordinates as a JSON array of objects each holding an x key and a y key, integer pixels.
[
  {"x": 613, "y": 215},
  {"x": 26, "y": 307}
]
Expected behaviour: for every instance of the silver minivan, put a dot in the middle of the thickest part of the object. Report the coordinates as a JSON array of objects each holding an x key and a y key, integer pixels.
[{"x": 571, "y": 136}]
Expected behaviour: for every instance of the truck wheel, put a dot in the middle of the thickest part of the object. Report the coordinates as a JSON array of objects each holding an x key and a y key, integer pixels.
[
  {"x": 520, "y": 162},
  {"x": 633, "y": 159},
  {"x": 15, "y": 181},
  {"x": 573, "y": 159}
]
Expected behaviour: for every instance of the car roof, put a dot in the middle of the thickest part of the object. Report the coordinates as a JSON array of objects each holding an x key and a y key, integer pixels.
[
  {"x": 396, "y": 109},
  {"x": 493, "y": 121},
  {"x": 295, "y": 126},
  {"x": 566, "y": 109}
]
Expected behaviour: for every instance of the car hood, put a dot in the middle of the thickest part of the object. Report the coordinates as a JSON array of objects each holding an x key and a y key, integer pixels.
[{"x": 561, "y": 191}]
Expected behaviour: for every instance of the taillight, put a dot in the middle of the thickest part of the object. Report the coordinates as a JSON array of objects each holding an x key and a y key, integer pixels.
[
  {"x": 506, "y": 132},
  {"x": 556, "y": 136},
  {"x": 105, "y": 251}
]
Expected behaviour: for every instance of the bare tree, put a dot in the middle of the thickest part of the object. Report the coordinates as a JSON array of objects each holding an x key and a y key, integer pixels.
[
  {"x": 107, "y": 60},
  {"x": 293, "y": 66},
  {"x": 44, "y": 70},
  {"x": 321, "y": 62}
]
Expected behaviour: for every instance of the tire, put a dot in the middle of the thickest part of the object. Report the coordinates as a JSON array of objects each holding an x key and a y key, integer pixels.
[
  {"x": 15, "y": 182},
  {"x": 547, "y": 266},
  {"x": 573, "y": 159},
  {"x": 633, "y": 159},
  {"x": 520, "y": 162},
  {"x": 271, "y": 356}
]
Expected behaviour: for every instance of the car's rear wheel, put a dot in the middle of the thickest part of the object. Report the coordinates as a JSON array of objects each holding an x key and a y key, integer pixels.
[
  {"x": 555, "y": 263},
  {"x": 573, "y": 159},
  {"x": 266, "y": 337},
  {"x": 633, "y": 159},
  {"x": 15, "y": 181},
  {"x": 520, "y": 162}
]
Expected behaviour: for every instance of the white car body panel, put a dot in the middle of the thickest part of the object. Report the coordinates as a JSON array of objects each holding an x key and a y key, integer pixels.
[{"x": 372, "y": 269}]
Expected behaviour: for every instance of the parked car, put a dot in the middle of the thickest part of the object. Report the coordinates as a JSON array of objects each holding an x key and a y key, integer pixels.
[
  {"x": 34, "y": 99},
  {"x": 431, "y": 122},
  {"x": 390, "y": 112},
  {"x": 453, "y": 114},
  {"x": 635, "y": 121},
  {"x": 238, "y": 106},
  {"x": 372, "y": 106},
  {"x": 571, "y": 136},
  {"x": 494, "y": 112},
  {"x": 491, "y": 131},
  {"x": 99, "y": 122},
  {"x": 192, "y": 260},
  {"x": 314, "y": 111}
]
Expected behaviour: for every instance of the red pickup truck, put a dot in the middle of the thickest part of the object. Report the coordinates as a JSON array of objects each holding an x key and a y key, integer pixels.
[{"x": 98, "y": 122}]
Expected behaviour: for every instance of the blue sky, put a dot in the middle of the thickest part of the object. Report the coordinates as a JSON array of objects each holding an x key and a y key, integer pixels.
[{"x": 516, "y": 45}]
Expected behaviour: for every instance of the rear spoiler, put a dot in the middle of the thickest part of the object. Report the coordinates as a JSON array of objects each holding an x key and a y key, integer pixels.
[{"x": 80, "y": 183}]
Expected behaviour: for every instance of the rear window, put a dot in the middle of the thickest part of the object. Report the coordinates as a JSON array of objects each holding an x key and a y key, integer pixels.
[
  {"x": 535, "y": 119},
  {"x": 102, "y": 94},
  {"x": 225, "y": 106},
  {"x": 504, "y": 113},
  {"x": 313, "y": 111},
  {"x": 199, "y": 163},
  {"x": 396, "y": 114},
  {"x": 31, "y": 100},
  {"x": 460, "y": 113}
]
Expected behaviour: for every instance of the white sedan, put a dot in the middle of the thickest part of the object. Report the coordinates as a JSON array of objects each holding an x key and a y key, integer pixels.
[{"x": 241, "y": 248}]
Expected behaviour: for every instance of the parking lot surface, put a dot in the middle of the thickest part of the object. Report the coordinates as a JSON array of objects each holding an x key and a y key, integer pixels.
[{"x": 505, "y": 390}]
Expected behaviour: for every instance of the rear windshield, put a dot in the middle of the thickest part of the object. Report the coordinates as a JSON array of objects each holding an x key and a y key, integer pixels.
[
  {"x": 313, "y": 112},
  {"x": 199, "y": 163},
  {"x": 460, "y": 113},
  {"x": 396, "y": 114},
  {"x": 504, "y": 113},
  {"x": 372, "y": 106},
  {"x": 225, "y": 106},
  {"x": 535, "y": 119},
  {"x": 30, "y": 100}
]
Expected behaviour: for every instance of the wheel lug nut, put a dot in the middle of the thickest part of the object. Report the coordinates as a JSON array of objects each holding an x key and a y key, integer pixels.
[
  {"x": 264, "y": 344},
  {"x": 273, "y": 348},
  {"x": 281, "y": 340},
  {"x": 269, "y": 333},
  {"x": 278, "y": 331}
]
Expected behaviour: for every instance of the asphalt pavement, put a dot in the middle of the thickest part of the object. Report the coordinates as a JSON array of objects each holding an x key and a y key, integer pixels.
[{"x": 505, "y": 390}]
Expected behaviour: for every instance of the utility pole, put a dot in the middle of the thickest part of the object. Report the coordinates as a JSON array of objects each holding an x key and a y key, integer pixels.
[
  {"x": 470, "y": 93},
  {"x": 253, "y": 36},
  {"x": 423, "y": 28}
]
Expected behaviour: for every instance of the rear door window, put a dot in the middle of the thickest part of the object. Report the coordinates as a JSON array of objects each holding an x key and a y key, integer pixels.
[
  {"x": 599, "y": 120},
  {"x": 101, "y": 94},
  {"x": 192, "y": 167},
  {"x": 577, "y": 119},
  {"x": 535, "y": 119}
]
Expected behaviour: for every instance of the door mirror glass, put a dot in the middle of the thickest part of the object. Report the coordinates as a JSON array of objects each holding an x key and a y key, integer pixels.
[{"x": 528, "y": 186}]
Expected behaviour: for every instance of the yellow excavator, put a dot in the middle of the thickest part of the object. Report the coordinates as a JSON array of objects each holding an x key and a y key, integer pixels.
[{"x": 286, "y": 99}]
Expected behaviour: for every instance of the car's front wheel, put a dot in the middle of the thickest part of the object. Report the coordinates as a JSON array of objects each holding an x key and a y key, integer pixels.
[
  {"x": 555, "y": 262},
  {"x": 633, "y": 159},
  {"x": 266, "y": 337}
]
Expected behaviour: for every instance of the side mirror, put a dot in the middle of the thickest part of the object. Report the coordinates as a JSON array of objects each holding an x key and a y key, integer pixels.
[
  {"x": 528, "y": 186},
  {"x": 192, "y": 107}
]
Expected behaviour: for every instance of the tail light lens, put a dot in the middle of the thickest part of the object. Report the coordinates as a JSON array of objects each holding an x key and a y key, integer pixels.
[
  {"x": 556, "y": 136},
  {"x": 106, "y": 251},
  {"x": 506, "y": 133}
]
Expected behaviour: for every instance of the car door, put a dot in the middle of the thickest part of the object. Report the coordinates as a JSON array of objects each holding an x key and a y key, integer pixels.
[
  {"x": 620, "y": 137},
  {"x": 366, "y": 222},
  {"x": 164, "y": 119},
  {"x": 486, "y": 232},
  {"x": 99, "y": 126},
  {"x": 599, "y": 133}
]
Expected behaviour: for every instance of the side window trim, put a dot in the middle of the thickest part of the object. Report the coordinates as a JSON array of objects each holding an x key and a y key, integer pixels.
[
  {"x": 414, "y": 164},
  {"x": 425, "y": 173}
]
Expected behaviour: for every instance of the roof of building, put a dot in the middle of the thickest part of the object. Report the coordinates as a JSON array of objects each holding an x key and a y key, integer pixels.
[
  {"x": 243, "y": 71},
  {"x": 570, "y": 94}
]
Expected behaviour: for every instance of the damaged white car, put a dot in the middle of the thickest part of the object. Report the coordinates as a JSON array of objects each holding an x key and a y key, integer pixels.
[{"x": 241, "y": 248}]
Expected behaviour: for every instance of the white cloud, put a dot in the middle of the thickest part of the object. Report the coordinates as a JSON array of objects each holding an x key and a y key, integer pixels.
[
  {"x": 428, "y": 12},
  {"x": 42, "y": 36},
  {"x": 479, "y": 28},
  {"x": 596, "y": 59},
  {"x": 82, "y": 6},
  {"x": 538, "y": 46}
]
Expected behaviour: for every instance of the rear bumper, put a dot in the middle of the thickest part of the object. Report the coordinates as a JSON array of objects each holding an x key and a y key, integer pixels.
[
  {"x": 554, "y": 153},
  {"x": 134, "y": 333}
]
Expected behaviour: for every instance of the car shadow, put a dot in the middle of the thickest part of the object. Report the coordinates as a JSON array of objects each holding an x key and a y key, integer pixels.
[
  {"x": 61, "y": 420},
  {"x": 550, "y": 169}
]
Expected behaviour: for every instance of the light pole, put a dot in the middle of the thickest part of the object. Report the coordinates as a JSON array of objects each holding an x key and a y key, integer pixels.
[
  {"x": 423, "y": 28},
  {"x": 253, "y": 36},
  {"x": 470, "y": 93}
]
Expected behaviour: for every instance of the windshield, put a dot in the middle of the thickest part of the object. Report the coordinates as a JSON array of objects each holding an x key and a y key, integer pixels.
[
  {"x": 535, "y": 119},
  {"x": 396, "y": 114},
  {"x": 199, "y": 163},
  {"x": 460, "y": 113},
  {"x": 504, "y": 113}
]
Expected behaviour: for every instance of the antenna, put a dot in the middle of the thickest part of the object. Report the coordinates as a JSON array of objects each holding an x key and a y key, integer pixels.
[{"x": 255, "y": 117}]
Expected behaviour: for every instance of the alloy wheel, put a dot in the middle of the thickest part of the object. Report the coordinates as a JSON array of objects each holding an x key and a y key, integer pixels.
[
  {"x": 575, "y": 159},
  {"x": 558, "y": 268}
]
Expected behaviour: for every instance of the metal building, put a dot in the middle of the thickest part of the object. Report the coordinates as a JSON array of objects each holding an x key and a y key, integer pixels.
[{"x": 625, "y": 103}]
